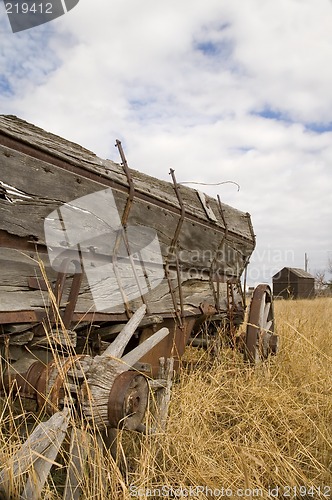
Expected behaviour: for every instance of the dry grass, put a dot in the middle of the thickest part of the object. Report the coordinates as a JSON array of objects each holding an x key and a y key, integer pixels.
[{"x": 230, "y": 426}]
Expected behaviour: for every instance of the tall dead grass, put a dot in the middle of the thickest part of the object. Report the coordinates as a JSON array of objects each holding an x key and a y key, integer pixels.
[{"x": 233, "y": 431}]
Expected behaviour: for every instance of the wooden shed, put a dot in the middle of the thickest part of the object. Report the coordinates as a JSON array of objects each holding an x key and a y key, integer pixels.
[{"x": 291, "y": 282}]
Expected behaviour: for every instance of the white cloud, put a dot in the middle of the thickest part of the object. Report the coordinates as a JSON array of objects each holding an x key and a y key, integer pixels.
[
  {"x": 285, "y": 46},
  {"x": 217, "y": 90}
]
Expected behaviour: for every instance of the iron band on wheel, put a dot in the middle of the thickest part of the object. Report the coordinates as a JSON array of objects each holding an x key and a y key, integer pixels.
[{"x": 128, "y": 400}]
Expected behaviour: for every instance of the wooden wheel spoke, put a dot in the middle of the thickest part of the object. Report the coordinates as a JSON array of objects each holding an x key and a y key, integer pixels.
[
  {"x": 268, "y": 326},
  {"x": 267, "y": 309}
]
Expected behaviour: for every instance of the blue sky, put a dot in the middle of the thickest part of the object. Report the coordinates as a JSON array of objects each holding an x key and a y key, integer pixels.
[{"x": 217, "y": 90}]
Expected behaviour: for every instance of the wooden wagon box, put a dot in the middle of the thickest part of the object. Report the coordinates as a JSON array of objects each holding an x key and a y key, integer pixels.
[{"x": 200, "y": 248}]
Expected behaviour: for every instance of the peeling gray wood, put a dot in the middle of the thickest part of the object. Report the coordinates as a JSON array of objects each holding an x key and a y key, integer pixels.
[
  {"x": 161, "y": 190},
  {"x": 40, "y": 180},
  {"x": 118, "y": 346},
  {"x": 42, "y": 187},
  {"x": 15, "y": 294},
  {"x": 163, "y": 396}
]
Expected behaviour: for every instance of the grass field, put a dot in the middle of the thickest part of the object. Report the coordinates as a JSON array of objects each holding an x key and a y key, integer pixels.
[{"x": 233, "y": 431}]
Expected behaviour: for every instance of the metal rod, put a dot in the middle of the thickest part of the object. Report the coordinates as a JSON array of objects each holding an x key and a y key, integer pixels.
[
  {"x": 131, "y": 195},
  {"x": 174, "y": 245},
  {"x": 58, "y": 292},
  {"x": 216, "y": 293},
  {"x": 182, "y": 215},
  {"x": 73, "y": 294},
  {"x": 124, "y": 221}
]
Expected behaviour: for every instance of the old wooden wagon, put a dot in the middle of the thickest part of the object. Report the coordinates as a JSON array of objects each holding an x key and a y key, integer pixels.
[{"x": 105, "y": 271}]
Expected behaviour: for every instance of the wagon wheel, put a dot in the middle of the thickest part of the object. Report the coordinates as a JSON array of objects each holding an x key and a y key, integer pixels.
[
  {"x": 260, "y": 338},
  {"x": 111, "y": 393}
]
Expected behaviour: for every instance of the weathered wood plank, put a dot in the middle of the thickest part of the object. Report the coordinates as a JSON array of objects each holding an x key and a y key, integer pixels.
[
  {"x": 40, "y": 180},
  {"x": 36, "y": 455},
  {"x": 26, "y": 218},
  {"x": 163, "y": 396},
  {"x": 15, "y": 294},
  {"x": 78, "y": 453},
  {"x": 116, "y": 349},
  {"x": 159, "y": 300},
  {"x": 156, "y": 189}
]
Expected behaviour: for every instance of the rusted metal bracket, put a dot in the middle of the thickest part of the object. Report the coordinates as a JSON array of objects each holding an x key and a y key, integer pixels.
[
  {"x": 25, "y": 383},
  {"x": 8, "y": 240},
  {"x": 251, "y": 229},
  {"x": 124, "y": 221},
  {"x": 38, "y": 315},
  {"x": 72, "y": 300},
  {"x": 58, "y": 288},
  {"x": 231, "y": 306},
  {"x": 216, "y": 293},
  {"x": 174, "y": 251},
  {"x": 36, "y": 283},
  {"x": 131, "y": 195}
]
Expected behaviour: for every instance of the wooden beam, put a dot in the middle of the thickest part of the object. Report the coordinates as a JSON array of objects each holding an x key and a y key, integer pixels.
[
  {"x": 118, "y": 346},
  {"x": 36, "y": 456}
]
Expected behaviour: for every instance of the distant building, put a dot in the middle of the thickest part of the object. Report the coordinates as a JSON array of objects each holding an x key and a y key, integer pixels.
[{"x": 293, "y": 283}]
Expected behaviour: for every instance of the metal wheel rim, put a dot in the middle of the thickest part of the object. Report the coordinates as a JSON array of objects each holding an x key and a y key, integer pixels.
[{"x": 260, "y": 327}]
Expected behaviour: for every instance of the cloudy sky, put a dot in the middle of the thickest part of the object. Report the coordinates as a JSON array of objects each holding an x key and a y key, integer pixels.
[{"x": 219, "y": 90}]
